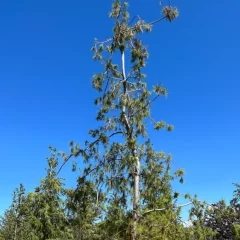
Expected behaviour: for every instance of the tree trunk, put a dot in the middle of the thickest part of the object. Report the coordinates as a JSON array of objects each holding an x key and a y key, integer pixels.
[
  {"x": 15, "y": 232},
  {"x": 134, "y": 152},
  {"x": 136, "y": 195}
]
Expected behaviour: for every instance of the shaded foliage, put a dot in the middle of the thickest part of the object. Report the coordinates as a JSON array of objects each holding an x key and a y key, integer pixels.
[{"x": 224, "y": 219}]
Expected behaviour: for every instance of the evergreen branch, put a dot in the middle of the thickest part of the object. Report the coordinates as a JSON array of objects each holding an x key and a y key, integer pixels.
[
  {"x": 159, "y": 226},
  {"x": 115, "y": 70},
  {"x": 146, "y": 105},
  {"x": 90, "y": 145},
  {"x": 151, "y": 23}
]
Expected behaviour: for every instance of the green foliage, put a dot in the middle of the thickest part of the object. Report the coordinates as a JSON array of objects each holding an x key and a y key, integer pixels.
[
  {"x": 38, "y": 215},
  {"x": 236, "y": 231},
  {"x": 170, "y": 12},
  {"x": 125, "y": 189},
  {"x": 83, "y": 209},
  {"x": 120, "y": 159}
]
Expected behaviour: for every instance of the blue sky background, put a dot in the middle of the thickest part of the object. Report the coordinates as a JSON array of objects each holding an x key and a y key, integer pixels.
[{"x": 46, "y": 95}]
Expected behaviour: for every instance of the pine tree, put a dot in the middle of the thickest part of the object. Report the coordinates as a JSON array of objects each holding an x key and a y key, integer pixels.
[
  {"x": 14, "y": 224},
  {"x": 125, "y": 189},
  {"x": 38, "y": 215},
  {"x": 48, "y": 217},
  {"x": 120, "y": 159}
]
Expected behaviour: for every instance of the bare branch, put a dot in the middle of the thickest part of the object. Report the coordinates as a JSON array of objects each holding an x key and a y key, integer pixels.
[
  {"x": 107, "y": 40},
  {"x": 158, "y": 20},
  {"x": 163, "y": 209},
  {"x": 179, "y": 206},
  {"x": 154, "y": 121},
  {"x": 134, "y": 19}
]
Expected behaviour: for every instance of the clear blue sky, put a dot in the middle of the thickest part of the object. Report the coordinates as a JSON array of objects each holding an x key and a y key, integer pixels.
[{"x": 46, "y": 95}]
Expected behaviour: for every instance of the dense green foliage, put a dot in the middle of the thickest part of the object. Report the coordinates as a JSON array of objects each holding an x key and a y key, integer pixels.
[
  {"x": 224, "y": 219},
  {"x": 40, "y": 214},
  {"x": 124, "y": 190}
]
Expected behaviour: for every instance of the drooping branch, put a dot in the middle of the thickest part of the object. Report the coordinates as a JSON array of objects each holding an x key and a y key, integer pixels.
[{"x": 84, "y": 150}]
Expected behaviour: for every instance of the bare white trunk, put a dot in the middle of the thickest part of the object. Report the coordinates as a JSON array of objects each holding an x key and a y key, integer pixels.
[
  {"x": 15, "y": 232},
  {"x": 138, "y": 164},
  {"x": 136, "y": 195},
  {"x": 125, "y": 91}
]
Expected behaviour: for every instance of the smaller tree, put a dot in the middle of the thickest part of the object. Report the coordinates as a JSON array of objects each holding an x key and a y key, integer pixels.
[
  {"x": 47, "y": 206},
  {"x": 38, "y": 215},
  {"x": 14, "y": 224},
  {"x": 83, "y": 206}
]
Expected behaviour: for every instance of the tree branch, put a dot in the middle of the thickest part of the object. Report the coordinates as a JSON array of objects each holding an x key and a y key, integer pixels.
[
  {"x": 151, "y": 23},
  {"x": 158, "y": 20},
  {"x": 107, "y": 40},
  {"x": 90, "y": 145},
  {"x": 162, "y": 209},
  {"x": 145, "y": 105}
]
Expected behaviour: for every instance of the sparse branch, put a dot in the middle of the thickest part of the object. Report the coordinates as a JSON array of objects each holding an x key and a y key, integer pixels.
[
  {"x": 151, "y": 23},
  {"x": 158, "y": 20},
  {"x": 175, "y": 207},
  {"x": 134, "y": 19},
  {"x": 90, "y": 145},
  {"x": 106, "y": 41},
  {"x": 154, "y": 121},
  {"x": 179, "y": 206}
]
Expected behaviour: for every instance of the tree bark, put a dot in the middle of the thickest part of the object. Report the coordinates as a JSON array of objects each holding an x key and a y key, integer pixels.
[
  {"x": 15, "y": 232},
  {"x": 136, "y": 194},
  {"x": 136, "y": 187}
]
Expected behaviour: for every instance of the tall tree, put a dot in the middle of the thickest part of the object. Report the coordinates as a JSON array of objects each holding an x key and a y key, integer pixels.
[{"x": 120, "y": 158}]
